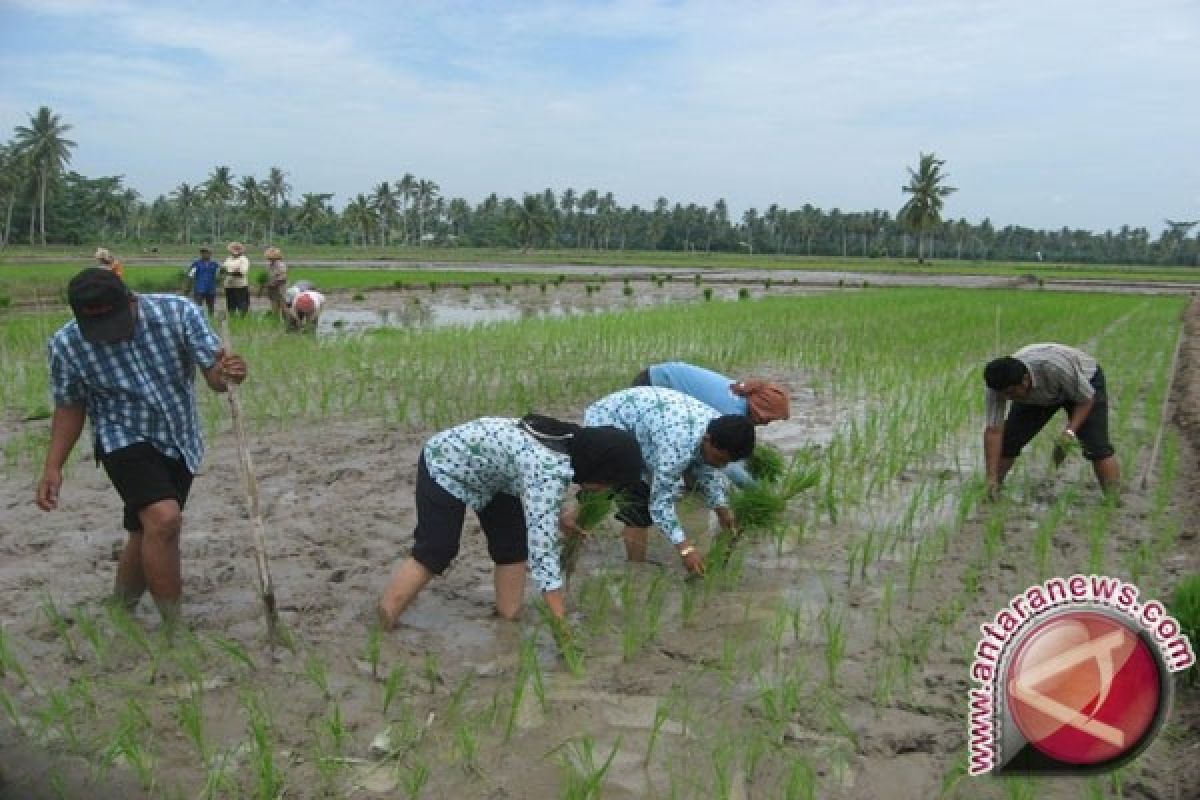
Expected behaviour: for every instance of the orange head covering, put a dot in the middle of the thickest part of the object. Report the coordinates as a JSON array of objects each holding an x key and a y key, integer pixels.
[{"x": 768, "y": 401}]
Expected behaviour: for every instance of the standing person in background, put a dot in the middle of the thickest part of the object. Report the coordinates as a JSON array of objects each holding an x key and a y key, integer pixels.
[
  {"x": 277, "y": 273},
  {"x": 761, "y": 402},
  {"x": 128, "y": 362},
  {"x": 109, "y": 262},
  {"x": 1039, "y": 380},
  {"x": 237, "y": 287},
  {"x": 677, "y": 434},
  {"x": 204, "y": 280}
]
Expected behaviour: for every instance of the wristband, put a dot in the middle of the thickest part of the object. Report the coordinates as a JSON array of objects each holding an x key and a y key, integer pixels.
[
  {"x": 687, "y": 551},
  {"x": 1070, "y": 433}
]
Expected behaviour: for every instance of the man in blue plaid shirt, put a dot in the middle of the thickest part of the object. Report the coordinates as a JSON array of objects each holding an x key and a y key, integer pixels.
[{"x": 128, "y": 363}]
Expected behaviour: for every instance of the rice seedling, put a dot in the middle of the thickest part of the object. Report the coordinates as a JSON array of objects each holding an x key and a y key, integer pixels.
[
  {"x": 9, "y": 661},
  {"x": 61, "y": 626},
  {"x": 432, "y": 670},
  {"x": 833, "y": 626},
  {"x": 568, "y": 647},
  {"x": 414, "y": 779},
  {"x": 11, "y": 711},
  {"x": 584, "y": 778},
  {"x": 128, "y": 744},
  {"x": 59, "y": 715},
  {"x": 662, "y": 711},
  {"x": 233, "y": 650},
  {"x": 801, "y": 781},
  {"x": 190, "y": 715},
  {"x": 269, "y": 779},
  {"x": 397, "y": 682},
  {"x": 317, "y": 673},
  {"x": 467, "y": 747},
  {"x": 89, "y": 627},
  {"x": 1185, "y": 608},
  {"x": 372, "y": 650}
]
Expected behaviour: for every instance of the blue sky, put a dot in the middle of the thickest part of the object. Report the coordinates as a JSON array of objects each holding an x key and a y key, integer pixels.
[{"x": 1049, "y": 113}]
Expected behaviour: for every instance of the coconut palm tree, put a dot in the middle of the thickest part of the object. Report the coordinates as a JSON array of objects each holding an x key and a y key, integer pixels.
[
  {"x": 47, "y": 151},
  {"x": 924, "y": 209},
  {"x": 358, "y": 216},
  {"x": 277, "y": 190},
  {"x": 186, "y": 196},
  {"x": 385, "y": 205},
  {"x": 313, "y": 211},
  {"x": 218, "y": 192},
  {"x": 531, "y": 221},
  {"x": 253, "y": 202},
  {"x": 426, "y": 193},
  {"x": 130, "y": 206},
  {"x": 14, "y": 174},
  {"x": 406, "y": 190}
]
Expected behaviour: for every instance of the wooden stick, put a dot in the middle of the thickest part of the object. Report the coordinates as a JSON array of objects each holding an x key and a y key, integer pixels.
[
  {"x": 265, "y": 586},
  {"x": 1162, "y": 422}
]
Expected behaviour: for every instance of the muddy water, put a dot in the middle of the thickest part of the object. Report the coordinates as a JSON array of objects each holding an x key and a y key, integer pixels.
[{"x": 450, "y": 306}]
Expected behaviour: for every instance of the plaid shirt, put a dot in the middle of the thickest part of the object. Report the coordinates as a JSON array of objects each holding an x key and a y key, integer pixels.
[
  {"x": 482, "y": 458},
  {"x": 142, "y": 390},
  {"x": 1058, "y": 374},
  {"x": 669, "y": 427}
]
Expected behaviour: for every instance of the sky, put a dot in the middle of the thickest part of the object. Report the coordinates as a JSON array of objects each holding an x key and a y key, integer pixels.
[{"x": 1047, "y": 113}]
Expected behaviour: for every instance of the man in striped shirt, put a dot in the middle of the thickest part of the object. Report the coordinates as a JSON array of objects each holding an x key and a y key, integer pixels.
[
  {"x": 128, "y": 363},
  {"x": 1039, "y": 380}
]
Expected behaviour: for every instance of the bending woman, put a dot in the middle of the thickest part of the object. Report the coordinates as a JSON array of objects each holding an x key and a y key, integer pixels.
[{"x": 515, "y": 475}]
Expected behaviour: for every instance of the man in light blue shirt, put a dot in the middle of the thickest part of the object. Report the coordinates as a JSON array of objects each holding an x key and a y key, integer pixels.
[
  {"x": 761, "y": 402},
  {"x": 128, "y": 363},
  {"x": 677, "y": 434}
]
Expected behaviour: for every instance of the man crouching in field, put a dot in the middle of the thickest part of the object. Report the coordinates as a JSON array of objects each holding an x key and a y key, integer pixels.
[
  {"x": 1039, "y": 380},
  {"x": 128, "y": 363}
]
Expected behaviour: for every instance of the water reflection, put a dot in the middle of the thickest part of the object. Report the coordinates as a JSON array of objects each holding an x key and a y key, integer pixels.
[{"x": 480, "y": 307}]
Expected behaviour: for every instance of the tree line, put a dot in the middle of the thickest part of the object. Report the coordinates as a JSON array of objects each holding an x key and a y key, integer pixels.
[{"x": 44, "y": 202}]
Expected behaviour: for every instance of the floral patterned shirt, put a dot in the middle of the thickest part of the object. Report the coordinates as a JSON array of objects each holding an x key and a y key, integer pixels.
[
  {"x": 477, "y": 460},
  {"x": 669, "y": 427}
]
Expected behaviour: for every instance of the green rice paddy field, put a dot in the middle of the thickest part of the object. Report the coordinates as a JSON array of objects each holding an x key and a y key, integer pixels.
[{"x": 828, "y": 657}]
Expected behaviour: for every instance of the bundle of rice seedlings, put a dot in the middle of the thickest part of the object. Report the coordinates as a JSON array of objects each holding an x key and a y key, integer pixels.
[
  {"x": 766, "y": 463},
  {"x": 762, "y": 505},
  {"x": 593, "y": 508}
]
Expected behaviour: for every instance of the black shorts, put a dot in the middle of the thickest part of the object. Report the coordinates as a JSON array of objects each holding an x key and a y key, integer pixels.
[
  {"x": 1025, "y": 421},
  {"x": 633, "y": 505},
  {"x": 142, "y": 476},
  {"x": 237, "y": 300},
  {"x": 440, "y": 518}
]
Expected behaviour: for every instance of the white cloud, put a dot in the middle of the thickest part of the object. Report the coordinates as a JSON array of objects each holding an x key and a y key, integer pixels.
[{"x": 786, "y": 102}]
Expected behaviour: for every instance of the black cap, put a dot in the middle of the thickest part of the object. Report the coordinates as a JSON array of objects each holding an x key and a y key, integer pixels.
[
  {"x": 100, "y": 301},
  {"x": 605, "y": 454}
]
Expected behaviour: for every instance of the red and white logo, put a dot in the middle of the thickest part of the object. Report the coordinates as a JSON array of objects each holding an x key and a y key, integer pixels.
[{"x": 1084, "y": 689}]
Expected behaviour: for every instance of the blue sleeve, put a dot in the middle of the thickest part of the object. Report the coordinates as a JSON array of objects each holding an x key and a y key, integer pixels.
[
  {"x": 201, "y": 340},
  {"x": 65, "y": 385},
  {"x": 710, "y": 482}
]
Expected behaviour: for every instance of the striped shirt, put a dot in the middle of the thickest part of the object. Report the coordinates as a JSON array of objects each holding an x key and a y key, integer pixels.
[
  {"x": 1059, "y": 374},
  {"x": 477, "y": 460},
  {"x": 141, "y": 390},
  {"x": 669, "y": 427}
]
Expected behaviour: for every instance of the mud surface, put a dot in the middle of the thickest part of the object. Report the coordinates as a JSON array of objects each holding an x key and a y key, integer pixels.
[{"x": 338, "y": 512}]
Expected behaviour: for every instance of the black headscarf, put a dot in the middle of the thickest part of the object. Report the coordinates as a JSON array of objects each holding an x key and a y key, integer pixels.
[{"x": 600, "y": 454}]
